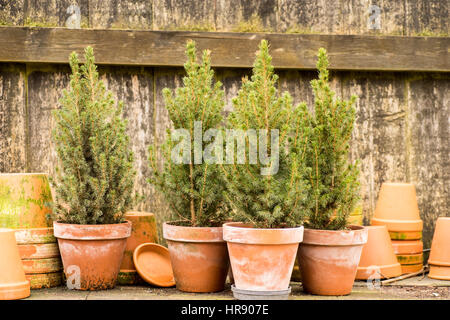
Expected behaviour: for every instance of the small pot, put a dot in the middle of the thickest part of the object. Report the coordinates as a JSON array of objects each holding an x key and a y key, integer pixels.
[
  {"x": 13, "y": 284},
  {"x": 397, "y": 209},
  {"x": 261, "y": 259},
  {"x": 329, "y": 259},
  {"x": 439, "y": 259},
  {"x": 91, "y": 254},
  {"x": 378, "y": 260},
  {"x": 199, "y": 257}
]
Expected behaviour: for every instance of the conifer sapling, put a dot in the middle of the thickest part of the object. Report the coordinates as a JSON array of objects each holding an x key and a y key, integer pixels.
[{"x": 95, "y": 175}]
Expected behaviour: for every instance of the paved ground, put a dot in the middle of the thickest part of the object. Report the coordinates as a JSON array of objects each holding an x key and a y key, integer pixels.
[{"x": 413, "y": 288}]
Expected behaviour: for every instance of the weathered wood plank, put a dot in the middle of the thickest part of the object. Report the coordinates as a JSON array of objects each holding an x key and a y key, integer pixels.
[
  {"x": 120, "y": 14},
  {"x": 12, "y": 118},
  {"x": 428, "y": 139},
  {"x": 11, "y": 12},
  {"x": 51, "y": 13},
  {"x": 166, "y": 48}
]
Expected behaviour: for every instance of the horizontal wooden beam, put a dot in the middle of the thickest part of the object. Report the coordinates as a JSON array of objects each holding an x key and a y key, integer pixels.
[{"x": 231, "y": 50}]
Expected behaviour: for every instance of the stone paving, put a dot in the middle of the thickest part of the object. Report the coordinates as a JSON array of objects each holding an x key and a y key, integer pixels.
[{"x": 413, "y": 288}]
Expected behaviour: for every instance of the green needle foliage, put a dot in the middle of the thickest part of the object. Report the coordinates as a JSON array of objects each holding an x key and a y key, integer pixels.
[
  {"x": 334, "y": 185},
  {"x": 95, "y": 180},
  {"x": 193, "y": 189},
  {"x": 277, "y": 199}
]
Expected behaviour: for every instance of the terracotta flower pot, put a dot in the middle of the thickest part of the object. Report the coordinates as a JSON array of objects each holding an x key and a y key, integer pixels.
[
  {"x": 199, "y": 257},
  {"x": 411, "y": 268},
  {"x": 13, "y": 284},
  {"x": 407, "y": 246},
  {"x": 25, "y": 200},
  {"x": 439, "y": 259},
  {"x": 261, "y": 259},
  {"x": 377, "y": 257},
  {"x": 91, "y": 254},
  {"x": 410, "y": 258},
  {"x": 397, "y": 209},
  {"x": 329, "y": 259},
  {"x": 143, "y": 231}
]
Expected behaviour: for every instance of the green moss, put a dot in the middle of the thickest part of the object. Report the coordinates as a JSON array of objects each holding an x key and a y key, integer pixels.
[
  {"x": 296, "y": 29},
  {"x": 429, "y": 33},
  {"x": 254, "y": 24},
  {"x": 200, "y": 27},
  {"x": 39, "y": 24}
]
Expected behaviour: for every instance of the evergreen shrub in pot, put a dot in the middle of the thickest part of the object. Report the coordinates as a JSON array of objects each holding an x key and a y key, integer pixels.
[
  {"x": 94, "y": 180},
  {"x": 331, "y": 249},
  {"x": 267, "y": 194},
  {"x": 190, "y": 181}
]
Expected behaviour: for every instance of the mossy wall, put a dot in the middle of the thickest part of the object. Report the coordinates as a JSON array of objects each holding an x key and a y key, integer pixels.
[{"x": 402, "y": 127}]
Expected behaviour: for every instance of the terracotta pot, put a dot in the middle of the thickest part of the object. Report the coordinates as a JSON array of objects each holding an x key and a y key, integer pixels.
[
  {"x": 329, "y": 259},
  {"x": 39, "y": 251},
  {"x": 48, "y": 265},
  {"x": 143, "y": 231},
  {"x": 407, "y": 246},
  {"x": 377, "y": 257},
  {"x": 406, "y": 235},
  {"x": 44, "y": 280},
  {"x": 261, "y": 259},
  {"x": 91, "y": 254},
  {"x": 410, "y": 258},
  {"x": 13, "y": 284},
  {"x": 35, "y": 235},
  {"x": 439, "y": 260},
  {"x": 397, "y": 209},
  {"x": 25, "y": 200},
  {"x": 199, "y": 257},
  {"x": 411, "y": 268}
]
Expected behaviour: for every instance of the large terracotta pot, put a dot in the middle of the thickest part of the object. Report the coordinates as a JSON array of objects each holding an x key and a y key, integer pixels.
[
  {"x": 397, "y": 209},
  {"x": 439, "y": 259},
  {"x": 378, "y": 260},
  {"x": 143, "y": 231},
  {"x": 261, "y": 259},
  {"x": 24, "y": 200},
  {"x": 13, "y": 284},
  {"x": 91, "y": 254},
  {"x": 199, "y": 257},
  {"x": 328, "y": 259}
]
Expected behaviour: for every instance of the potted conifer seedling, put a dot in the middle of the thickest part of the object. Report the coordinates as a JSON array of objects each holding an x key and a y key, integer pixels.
[
  {"x": 94, "y": 181},
  {"x": 330, "y": 252},
  {"x": 265, "y": 186},
  {"x": 190, "y": 181}
]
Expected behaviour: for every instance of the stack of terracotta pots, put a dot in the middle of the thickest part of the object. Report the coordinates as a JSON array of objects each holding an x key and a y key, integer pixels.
[
  {"x": 397, "y": 209},
  {"x": 25, "y": 207},
  {"x": 143, "y": 231},
  {"x": 439, "y": 260}
]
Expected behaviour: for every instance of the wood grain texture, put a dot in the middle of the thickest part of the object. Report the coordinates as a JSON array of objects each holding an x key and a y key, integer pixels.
[
  {"x": 166, "y": 48},
  {"x": 120, "y": 14},
  {"x": 12, "y": 118}
]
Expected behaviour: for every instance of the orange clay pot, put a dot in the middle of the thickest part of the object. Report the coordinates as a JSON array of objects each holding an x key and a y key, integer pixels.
[
  {"x": 143, "y": 231},
  {"x": 329, "y": 259},
  {"x": 410, "y": 258},
  {"x": 261, "y": 259},
  {"x": 397, "y": 209},
  {"x": 377, "y": 257},
  {"x": 407, "y": 246},
  {"x": 44, "y": 280},
  {"x": 405, "y": 236},
  {"x": 24, "y": 200},
  {"x": 199, "y": 257},
  {"x": 13, "y": 284},
  {"x": 411, "y": 268},
  {"x": 91, "y": 254},
  {"x": 439, "y": 260}
]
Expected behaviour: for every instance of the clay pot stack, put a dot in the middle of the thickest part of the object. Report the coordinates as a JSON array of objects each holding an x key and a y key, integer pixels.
[
  {"x": 397, "y": 209},
  {"x": 25, "y": 208},
  {"x": 143, "y": 231},
  {"x": 439, "y": 260}
]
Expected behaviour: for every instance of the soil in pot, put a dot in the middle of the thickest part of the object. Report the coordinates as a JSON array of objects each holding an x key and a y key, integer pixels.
[
  {"x": 199, "y": 257},
  {"x": 92, "y": 254},
  {"x": 329, "y": 259},
  {"x": 262, "y": 259}
]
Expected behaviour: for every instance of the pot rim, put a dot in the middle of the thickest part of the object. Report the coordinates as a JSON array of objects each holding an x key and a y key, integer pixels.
[
  {"x": 191, "y": 234},
  {"x": 319, "y": 237},
  {"x": 71, "y": 231},
  {"x": 240, "y": 232}
]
